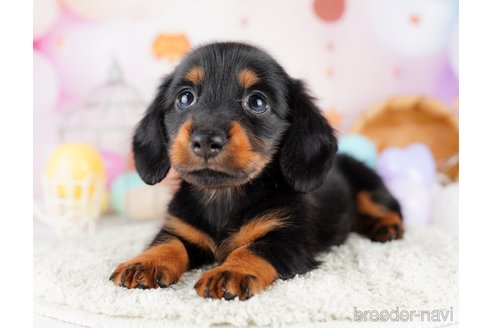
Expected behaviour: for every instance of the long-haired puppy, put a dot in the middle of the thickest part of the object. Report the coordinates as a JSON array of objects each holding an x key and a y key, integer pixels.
[{"x": 262, "y": 190}]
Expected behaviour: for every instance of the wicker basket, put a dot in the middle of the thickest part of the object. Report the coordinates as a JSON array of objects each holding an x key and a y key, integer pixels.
[{"x": 403, "y": 120}]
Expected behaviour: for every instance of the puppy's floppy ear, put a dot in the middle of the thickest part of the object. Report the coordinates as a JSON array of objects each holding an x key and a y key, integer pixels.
[
  {"x": 150, "y": 140},
  {"x": 309, "y": 146}
]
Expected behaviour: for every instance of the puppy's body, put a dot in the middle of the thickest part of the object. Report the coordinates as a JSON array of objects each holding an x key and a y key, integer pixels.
[{"x": 262, "y": 190}]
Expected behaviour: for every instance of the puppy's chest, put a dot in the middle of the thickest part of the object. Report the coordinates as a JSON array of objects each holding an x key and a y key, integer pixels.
[{"x": 221, "y": 219}]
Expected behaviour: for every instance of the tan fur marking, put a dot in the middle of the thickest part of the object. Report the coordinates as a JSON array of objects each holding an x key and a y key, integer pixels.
[
  {"x": 249, "y": 263},
  {"x": 161, "y": 264},
  {"x": 383, "y": 217},
  {"x": 367, "y": 206},
  {"x": 195, "y": 75},
  {"x": 241, "y": 151},
  {"x": 179, "y": 153},
  {"x": 247, "y": 78},
  {"x": 190, "y": 233},
  {"x": 253, "y": 230},
  {"x": 172, "y": 253}
]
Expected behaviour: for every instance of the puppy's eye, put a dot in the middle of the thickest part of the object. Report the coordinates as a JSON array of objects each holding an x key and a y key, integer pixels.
[
  {"x": 256, "y": 103},
  {"x": 185, "y": 99}
]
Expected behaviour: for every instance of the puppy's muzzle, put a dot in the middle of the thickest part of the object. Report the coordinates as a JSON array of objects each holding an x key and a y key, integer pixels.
[{"x": 207, "y": 144}]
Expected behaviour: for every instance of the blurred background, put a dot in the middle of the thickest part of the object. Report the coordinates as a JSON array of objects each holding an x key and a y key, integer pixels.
[{"x": 384, "y": 72}]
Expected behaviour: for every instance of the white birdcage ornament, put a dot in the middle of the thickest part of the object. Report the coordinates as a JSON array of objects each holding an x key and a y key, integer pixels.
[
  {"x": 103, "y": 123},
  {"x": 107, "y": 118},
  {"x": 75, "y": 211}
]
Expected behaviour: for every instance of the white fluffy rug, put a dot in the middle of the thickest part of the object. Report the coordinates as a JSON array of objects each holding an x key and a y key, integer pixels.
[{"x": 417, "y": 273}]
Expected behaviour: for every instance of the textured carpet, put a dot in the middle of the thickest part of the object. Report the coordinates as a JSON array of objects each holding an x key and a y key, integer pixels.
[{"x": 418, "y": 273}]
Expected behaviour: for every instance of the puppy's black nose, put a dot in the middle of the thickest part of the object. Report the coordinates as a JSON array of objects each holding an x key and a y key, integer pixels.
[{"x": 207, "y": 144}]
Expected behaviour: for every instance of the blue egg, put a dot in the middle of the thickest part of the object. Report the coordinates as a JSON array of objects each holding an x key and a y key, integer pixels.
[
  {"x": 121, "y": 185},
  {"x": 360, "y": 148}
]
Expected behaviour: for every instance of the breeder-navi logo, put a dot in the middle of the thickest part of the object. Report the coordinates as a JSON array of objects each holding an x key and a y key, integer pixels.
[{"x": 404, "y": 315}]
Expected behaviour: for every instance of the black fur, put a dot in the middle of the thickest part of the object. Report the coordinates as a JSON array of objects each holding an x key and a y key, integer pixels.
[
  {"x": 304, "y": 174},
  {"x": 151, "y": 139}
]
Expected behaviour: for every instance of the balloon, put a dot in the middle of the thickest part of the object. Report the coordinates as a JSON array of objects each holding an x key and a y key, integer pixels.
[
  {"x": 147, "y": 202},
  {"x": 414, "y": 163},
  {"x": 360, "y": 148},
  {"x": 80, "y": 70},
  {"x": 114, "y": 165},
  {"x": 329, "y": 10},
  {"x": 121, "y": 185},
  {"x": 415, "y": 200},
  {"x": 454, "y": 51},
  {"x": 445, "y": 201},
  {"x": 45, "y": 130},
  {"x": 141, "y": 9},
  {"x": 45, "y": 141},
  {"x": 105, "y": 202},
  {"x": 415, "y": 27},
  {"x": 446, "y": 87},
  {"x": 73, "y": 163},
  {"x": 45, "y": 84},
  {"x": 127, "y": 43},
  {"x": 45, "y": 14}
]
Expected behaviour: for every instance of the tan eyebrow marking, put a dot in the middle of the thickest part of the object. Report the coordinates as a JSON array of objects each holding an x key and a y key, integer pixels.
[
  {"x": 195, "y": 74},
  {"x": 247, "y": 78}
]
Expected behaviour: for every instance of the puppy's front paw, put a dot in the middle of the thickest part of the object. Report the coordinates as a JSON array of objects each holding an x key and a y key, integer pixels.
[
  {"x": 390, "y": 228},
  {"x": 228, "y": 283},
  {"x": 143, "y": 274},
  {"x": 158, "y": 266}
]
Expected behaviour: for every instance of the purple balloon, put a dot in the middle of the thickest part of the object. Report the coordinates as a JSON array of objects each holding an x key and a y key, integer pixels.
[
  {"x": 415, "y": 200},
  {"x": 447, "y": 87},
  {"x": 414, "y": 163}
]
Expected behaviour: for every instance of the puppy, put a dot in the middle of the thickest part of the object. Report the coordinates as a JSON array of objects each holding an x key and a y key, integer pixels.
[{"x": 262, "y": 190}]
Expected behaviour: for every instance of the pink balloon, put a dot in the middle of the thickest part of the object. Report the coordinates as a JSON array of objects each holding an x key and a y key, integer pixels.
[
  {"x": 45, "y": 139},
  {"x": 45, "y": 14},
  {"x": 46, "y": 85},
  {"x": 82, "y": 52},
  {"x": 114, "y": 165}
]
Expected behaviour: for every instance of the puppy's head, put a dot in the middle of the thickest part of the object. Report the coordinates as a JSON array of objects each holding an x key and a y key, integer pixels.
[{"x": 224, "y": 114}]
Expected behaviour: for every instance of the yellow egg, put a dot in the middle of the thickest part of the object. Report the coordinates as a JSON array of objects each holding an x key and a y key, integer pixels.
[
  {"x": 72, "y": 163},
  {"x": 105, "y": 202}
]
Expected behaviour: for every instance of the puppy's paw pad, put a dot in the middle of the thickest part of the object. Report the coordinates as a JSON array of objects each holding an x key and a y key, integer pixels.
[
  {"x": 228, "y": 284},
  {"x": 391, "y": 230},
  {"x": 142, "y": 275}
]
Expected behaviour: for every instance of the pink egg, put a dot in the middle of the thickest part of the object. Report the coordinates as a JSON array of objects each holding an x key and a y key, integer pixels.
[{"x": 114, "y": 165}]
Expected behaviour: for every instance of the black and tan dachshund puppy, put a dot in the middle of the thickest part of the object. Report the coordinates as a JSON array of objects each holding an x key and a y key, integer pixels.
[{"x": 262, "y": 190}]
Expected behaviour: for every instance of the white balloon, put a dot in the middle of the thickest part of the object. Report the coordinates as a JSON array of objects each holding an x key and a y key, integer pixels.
[
  {"x": 45, "y": 14},
  {"x": 413, "y": 27},
  {"x": 415, "y": 200},
  {"x": 140, "y": 9},
  {"x": 45, "y": 83},
  {"x": 445, "y": 207}
]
